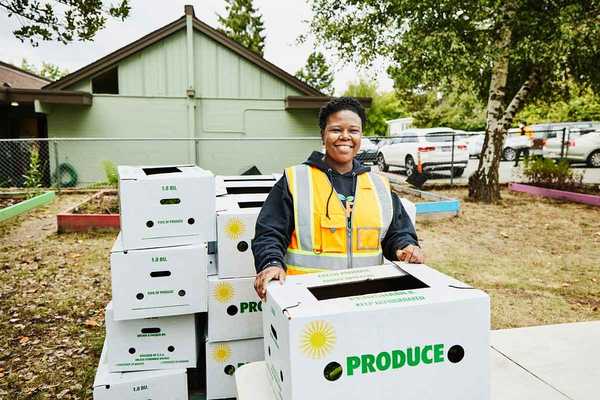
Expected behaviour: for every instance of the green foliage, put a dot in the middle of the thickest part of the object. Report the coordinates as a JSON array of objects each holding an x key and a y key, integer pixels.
[
  {"x": 549, "y": 174},
  {"x": 112, "y": 175},
  {"x": 243, "y": 24},
  {"x": 455, "y": 108},
  {"x": 575, "y": 104},
  {"x": 435, "y": 42},
  {"x": 384, "y": 106},
  {"x": 33, "y": 177},
  {"x": 49, "y": 71},
  {"x": 317, "y": 73},
  {"x": 63, "y": 21}
]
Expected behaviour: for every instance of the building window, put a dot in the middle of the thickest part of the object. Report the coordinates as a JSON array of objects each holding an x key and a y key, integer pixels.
[{"x": 106, "y": 83}]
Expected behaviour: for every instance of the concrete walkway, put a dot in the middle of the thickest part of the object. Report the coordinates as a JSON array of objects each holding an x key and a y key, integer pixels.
[{"x": 552, "y": 362}]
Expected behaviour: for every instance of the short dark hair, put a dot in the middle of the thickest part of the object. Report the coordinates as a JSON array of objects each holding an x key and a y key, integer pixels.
[{"x": 339, "y": 104}]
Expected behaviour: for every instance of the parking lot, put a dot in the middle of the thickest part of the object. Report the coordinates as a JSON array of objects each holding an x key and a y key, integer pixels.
[{"x": 508, "y": 173}]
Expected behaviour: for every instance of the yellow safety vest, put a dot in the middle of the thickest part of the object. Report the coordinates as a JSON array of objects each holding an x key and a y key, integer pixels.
[{"x": 329, "y": 242}]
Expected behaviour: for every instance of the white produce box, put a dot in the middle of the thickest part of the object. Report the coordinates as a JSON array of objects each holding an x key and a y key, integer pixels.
[
  {"x": 223, "y": 359},
  {"x": 380, "y": 332},
  {"x": 166, "y": 206},
  {"x": 150, "y": 343},
  {"x": 168, "y": 384},
  {"x": 236, "y": 222},
  {"x": 159, "y": 281},
  {"x": 234, "y": 309}
]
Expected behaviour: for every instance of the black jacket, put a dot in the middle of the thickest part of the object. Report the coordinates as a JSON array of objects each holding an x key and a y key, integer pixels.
[{"x": 275, "y": 222}]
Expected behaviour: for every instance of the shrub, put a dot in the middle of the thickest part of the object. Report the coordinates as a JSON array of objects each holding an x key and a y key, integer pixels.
[
  {"x": 33, "y": 177},
  {"x": 552, "y": 175},
  {"x": 112, "y": 175}
]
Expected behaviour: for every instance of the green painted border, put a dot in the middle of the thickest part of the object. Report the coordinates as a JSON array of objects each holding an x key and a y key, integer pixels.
[{"x": 26, "y": 205}]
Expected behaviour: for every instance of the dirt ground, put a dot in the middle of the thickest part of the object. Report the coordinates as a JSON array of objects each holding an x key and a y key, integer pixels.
[
  {"x": 108, "y": 203},
  {"x": 538, "y": 259}
]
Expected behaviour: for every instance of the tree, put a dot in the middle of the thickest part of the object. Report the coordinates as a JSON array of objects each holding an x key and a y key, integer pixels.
[
  {"x": 243, "y": 24},
  {"x": 317, "y": 73},
  {"x": 49, "y": 71},
  {"x": 61, "y": 20},
  {"x": 512, "y": 51},
  {"x": 384, "y": 106}
]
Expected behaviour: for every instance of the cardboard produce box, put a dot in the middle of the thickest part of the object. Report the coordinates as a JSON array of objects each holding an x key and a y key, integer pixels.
[
  {"x": 158, "y": 282},
  {"x": 166, "y": 206},
  {"x": 234, "y": 309},
  {"x": 223, "y": 359},
  {"x": 150, "y": 343},
  {"x": 381, "y": 332},
  {"x": 236, "y": 221},
  {"x": 168, "y": 384}
]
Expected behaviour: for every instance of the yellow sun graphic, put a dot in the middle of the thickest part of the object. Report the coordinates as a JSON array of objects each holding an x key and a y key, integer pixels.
[
  {"x": 221, "y": 353},
  {"x": 223, "y": 292},
  {"x": 318, "y": 339},
  {"x": 235, "y": 228}
]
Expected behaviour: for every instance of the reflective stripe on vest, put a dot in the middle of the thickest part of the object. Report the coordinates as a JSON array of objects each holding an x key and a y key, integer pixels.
[{"x": 321, "y": 239}]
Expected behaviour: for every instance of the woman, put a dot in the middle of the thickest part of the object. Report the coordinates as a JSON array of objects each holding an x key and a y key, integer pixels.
[{"x": 331, "y": 212}]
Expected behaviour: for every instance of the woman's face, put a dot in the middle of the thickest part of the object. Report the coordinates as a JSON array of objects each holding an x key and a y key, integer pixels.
[{"x": 342, "y": 135}]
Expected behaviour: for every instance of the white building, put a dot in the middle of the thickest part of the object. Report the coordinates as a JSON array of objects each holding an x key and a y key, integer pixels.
[{"x": 396, "y": 126}]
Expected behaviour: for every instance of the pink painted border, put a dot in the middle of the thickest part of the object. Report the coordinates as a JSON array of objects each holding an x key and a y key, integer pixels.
[
  {"x": 69, "y": 222},
  {"x": 556, "y": 194}
]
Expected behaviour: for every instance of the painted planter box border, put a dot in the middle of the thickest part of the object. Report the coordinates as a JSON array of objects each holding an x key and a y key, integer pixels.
[
  {"x": 589, "y": 199},
  {"x": 26, "y": 205},
  {"x": 439, "y": 204},
  {"x": 69, "y": 222}
]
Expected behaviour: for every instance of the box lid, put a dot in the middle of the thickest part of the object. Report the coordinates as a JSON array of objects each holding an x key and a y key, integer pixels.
[
  {"x": 118, "y": 246},
  {"x": 366, "y": 289},
  {"x": 152, "y": 172}
]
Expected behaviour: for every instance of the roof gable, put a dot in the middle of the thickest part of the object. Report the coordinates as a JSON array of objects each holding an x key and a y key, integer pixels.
[
  {"x": 110, "y": 60},
  {"x": 14, "y": 77}
]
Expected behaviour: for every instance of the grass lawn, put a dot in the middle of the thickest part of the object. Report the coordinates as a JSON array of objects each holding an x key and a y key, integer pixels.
[{"x": 538, "y": 259}]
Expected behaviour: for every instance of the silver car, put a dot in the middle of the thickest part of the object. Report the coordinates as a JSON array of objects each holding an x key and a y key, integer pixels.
[{"x": 578, "y": 147}]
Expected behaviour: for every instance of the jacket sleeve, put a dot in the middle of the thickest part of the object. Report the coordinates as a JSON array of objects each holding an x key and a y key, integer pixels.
[
  {"x": 401, "y": 232},
  {"x": 274, "y": 226}
]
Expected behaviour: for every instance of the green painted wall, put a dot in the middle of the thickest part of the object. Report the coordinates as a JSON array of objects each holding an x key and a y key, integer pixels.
[{"x": 234, "y": 99}]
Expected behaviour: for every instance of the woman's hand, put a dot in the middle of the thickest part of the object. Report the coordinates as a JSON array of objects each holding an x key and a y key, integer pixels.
[
  {"x": 265, "y": 276},
  {"x": 411, "y": 254}
]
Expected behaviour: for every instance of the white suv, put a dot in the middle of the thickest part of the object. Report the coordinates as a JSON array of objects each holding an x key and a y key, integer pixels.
[
  {"x": 425, "y": 149},
  {"x": 578, "y": 147}
]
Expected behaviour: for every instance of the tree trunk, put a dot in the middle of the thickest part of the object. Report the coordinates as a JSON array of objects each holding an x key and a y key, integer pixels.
[{"x": 484, "y": 183}]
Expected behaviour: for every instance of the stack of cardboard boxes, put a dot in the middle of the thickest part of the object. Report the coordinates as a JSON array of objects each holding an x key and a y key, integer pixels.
[
  {"x": 234, "y": 332},
  {"x": 183, "y": 251}
]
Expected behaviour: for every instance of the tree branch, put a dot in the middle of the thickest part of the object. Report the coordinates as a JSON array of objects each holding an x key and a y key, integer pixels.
[{"x": 519, "y": 99}]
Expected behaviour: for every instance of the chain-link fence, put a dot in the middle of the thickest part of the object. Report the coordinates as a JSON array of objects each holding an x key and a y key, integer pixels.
[{"x": 69, "y": 162}]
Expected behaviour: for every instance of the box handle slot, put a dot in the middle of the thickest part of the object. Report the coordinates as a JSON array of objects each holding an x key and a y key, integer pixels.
[
  {"x": 150, "y": 330},
  {"x": 248, "y": 190},
  {"x": 165, "y": 202},
  {"x": 274, "y": 332},
  {"x": 160, "y": 170},
  {"x": 160, "y": 274},
  {"x": 251, "y": 204}
]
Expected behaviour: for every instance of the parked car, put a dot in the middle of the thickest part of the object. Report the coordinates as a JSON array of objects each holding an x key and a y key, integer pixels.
[
  {"x": 368, "y": 151},
  {"x": 509, "y": 149},
  {"x": 429, "y": 148},
  {"x": 580, "y": 146}
]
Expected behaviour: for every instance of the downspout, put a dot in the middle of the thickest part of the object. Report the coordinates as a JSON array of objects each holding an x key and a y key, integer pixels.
[{"x": 190, "y": 91}]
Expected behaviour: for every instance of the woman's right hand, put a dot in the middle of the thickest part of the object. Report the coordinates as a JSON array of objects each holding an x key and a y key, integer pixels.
[{"x": 265, "y": 276}]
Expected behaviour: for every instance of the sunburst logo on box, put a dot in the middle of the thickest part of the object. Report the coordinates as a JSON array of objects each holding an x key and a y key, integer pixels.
[
  {"x": 221, "y": 353},
  {"x": 317, "y": 339},
  {"x": 223, "y": 292},
  {"x": 235, "y": 228}
]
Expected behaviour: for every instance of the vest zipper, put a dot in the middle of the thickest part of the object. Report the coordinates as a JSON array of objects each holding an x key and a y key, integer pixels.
[{"x": 349, "y": 224}]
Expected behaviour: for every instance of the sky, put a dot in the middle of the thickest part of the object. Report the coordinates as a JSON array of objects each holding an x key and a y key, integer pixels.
[{"x": 283, "y": 20}]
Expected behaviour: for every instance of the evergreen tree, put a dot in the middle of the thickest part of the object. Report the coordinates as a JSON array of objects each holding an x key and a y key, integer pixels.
[
  {"x": 317, "y": 73},
  {"x": 243, "y": 24}
]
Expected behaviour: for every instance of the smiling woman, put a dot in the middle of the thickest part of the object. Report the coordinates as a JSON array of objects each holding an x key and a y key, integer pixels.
[{"x": 331, "y": 212}]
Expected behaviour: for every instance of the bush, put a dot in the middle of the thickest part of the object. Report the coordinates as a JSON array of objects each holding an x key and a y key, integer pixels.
[
  {"x": 112, "y": 175},
  {"x": 33, "y": 177},
  {"x": 549, "y": 174}
]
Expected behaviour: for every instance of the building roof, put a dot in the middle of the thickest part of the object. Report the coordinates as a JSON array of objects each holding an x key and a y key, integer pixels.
[
  {"x": 14, "y": 77},
  {"x": 16, "y": 95},
  {"x": 111, "y": 59}
]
